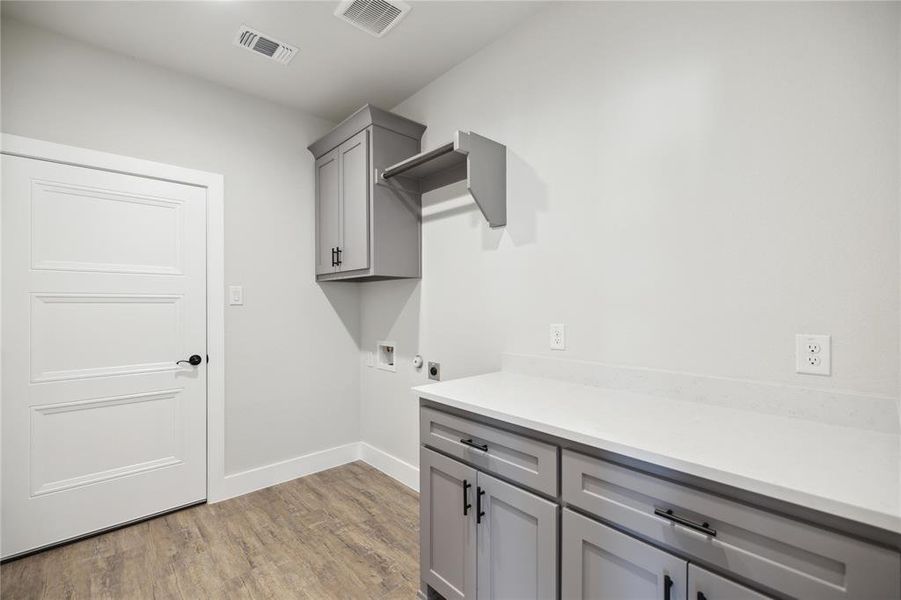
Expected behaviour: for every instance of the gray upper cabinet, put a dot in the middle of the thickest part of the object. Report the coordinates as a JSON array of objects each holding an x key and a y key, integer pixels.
[
  {"x": 367, "y": 228},
  {"x": 600, "y": 563},
  {"x": 447, "y": 525},
  {"x": 517, "y": 543}
]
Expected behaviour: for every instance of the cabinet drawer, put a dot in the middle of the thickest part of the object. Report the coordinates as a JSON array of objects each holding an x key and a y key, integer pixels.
[
  {"x": 520, "y": 459},
  {"x": 780, "y": 553}
]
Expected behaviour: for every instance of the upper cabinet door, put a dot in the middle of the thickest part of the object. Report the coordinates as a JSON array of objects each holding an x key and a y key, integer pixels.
[
  {"x": 517, "y": 543},
  {"x": 353, "y": 156},
  {"x": 447, "y": 525},
  {"x": 328, "y": 212},
  {"x": 704, "y": 585},
  {"x": 600, "y": 563}
]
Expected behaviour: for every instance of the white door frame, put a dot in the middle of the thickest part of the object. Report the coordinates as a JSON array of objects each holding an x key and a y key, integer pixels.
[{"x": 15, "y": 145}]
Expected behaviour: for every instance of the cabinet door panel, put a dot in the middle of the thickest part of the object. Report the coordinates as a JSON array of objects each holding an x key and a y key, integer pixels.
[
  {"x": 328, "y": 208},
  {"x": 600, "y": 563},
  {"x": 355, "y": 177},
  {"x": 517, "y": 543},
  {"x": 447, "y": 536},
  {"x": 704, "y": 585}
]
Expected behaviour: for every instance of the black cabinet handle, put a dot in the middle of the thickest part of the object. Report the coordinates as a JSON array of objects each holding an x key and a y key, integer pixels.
[
  {"x": 479, "y": 512},
  {"x": 338, "y": 253},
  {"x": 472, "y": 444},
  {"x": 466, "y": 505},
  {"x": 701, "y": 596},
  {"x": 667, "y": 513},
  {"x": 667, "y": 587},
  {"x": 333, "y": 257}
]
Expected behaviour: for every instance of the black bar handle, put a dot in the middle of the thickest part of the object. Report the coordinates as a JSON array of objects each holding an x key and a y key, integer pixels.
[
  {"x": 667, "y": 513},
  {"x": 701, "y": 596},
  {"x": 479, "y": 512},
  {"x": 338, "y": 262},
  {"x": 472, "y": 444},
  {"x": 667, "y": 587},
  {"x": 466, "y": 505},
  {"x": 333, "y": 257}
]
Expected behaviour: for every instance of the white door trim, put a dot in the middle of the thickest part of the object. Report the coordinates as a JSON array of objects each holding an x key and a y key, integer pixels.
[{"x": 214, "y": 183}]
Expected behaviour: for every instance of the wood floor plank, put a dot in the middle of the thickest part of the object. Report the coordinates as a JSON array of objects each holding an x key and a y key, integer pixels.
[{"x": 346, "y": 533}]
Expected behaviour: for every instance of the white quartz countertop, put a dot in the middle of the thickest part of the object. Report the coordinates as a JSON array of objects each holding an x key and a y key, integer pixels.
[{"x": 848, "y": 472}]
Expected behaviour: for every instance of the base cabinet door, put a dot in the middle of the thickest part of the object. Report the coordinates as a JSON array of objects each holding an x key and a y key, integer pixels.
[
  {"x": 447, "y": 525},
  {"x": 517, "y": 543},
  {"x": 600, "y": 563},
  {"x": 704, "y": 585}
]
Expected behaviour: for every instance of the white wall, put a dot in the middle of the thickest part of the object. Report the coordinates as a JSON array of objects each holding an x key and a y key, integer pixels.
[
  {"x": 291, "y": 384},
  {"x": 689, "y": 186}
]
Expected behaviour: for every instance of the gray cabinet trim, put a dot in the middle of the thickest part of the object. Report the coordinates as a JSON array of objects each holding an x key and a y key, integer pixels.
[{"x": 362, "y": 118}]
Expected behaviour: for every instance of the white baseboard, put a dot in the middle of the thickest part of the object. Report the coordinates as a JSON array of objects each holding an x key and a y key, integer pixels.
[
  {"x": 390, "y": 465},
  {"x": 238, "y": 484}
]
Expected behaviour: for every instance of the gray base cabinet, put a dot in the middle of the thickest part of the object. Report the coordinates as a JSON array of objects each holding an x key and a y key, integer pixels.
[
  {"x": 600, "y": 562},
  {"x": 500, "y": 503},
  {"x": 483, "y": 538}
]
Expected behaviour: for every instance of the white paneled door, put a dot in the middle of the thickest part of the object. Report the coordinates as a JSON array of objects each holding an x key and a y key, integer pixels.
[{"x": 104, "y": 279}]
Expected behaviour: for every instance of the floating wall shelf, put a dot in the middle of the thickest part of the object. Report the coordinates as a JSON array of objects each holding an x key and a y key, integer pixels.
[{"x": 479, "y": 161}]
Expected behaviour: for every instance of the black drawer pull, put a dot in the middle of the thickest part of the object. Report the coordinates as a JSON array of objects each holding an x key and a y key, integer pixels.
[
  {"x": 667, "y": 513},
  {"x": 472, "y": 444},
  {"x": 667, "y": 587},
  {"x": 466, "y": 504}
]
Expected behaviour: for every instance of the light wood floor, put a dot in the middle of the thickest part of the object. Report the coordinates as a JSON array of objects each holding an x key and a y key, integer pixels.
[{"x": 350, "y": 532}]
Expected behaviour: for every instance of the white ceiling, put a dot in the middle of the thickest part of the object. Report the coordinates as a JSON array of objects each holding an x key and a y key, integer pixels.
[{"x": 338, "y": 69}]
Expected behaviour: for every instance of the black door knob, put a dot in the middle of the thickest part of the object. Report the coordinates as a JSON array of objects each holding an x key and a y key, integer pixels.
[{"x": 194, "y": 360}]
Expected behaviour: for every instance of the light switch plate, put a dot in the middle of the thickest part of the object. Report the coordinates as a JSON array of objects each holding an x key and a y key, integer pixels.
[
  {"x": 813, "y": 354},
  {"x": 236, "y": 295}
]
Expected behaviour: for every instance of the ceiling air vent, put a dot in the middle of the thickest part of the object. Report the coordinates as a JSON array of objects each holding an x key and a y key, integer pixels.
[
  {"x": 376, "y": 17},
  {"x": 257, "y": 42}
]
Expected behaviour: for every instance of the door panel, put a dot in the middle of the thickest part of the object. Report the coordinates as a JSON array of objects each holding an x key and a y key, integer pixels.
[
  {"x": 600, "y": 562},
  {"x": 354, "y": 157},
  {"x": 104, "y": 288},
  {"x": 704, "y": 585},
  {"x": 447, "y": 536},
  {"x": 328, "y": 211},
  {"x": 517, "y": 543}
]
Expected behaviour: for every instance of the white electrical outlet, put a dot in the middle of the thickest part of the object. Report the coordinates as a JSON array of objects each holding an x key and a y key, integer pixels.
[
  {"x": 558, "y": 336},
  {"x": 813, "y": 354}
]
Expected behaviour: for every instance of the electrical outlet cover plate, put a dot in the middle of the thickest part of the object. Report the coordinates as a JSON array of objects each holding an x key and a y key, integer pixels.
[
  {"x": 434, "y": 371},
  {"x": 813, "y": 354},
  {"x": 558, "y": 336}
]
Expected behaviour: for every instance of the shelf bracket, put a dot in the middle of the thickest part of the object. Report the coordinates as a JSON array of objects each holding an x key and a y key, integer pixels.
[{"x": 486, "y": 174}]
